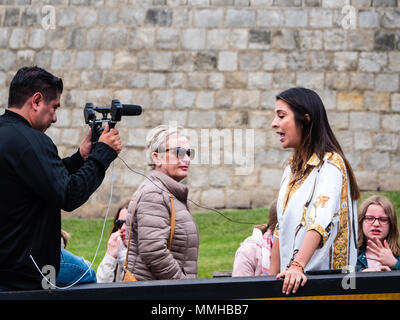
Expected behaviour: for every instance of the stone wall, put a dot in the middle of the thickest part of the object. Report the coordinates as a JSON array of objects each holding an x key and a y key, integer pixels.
[{"x": 214, "y": 66}]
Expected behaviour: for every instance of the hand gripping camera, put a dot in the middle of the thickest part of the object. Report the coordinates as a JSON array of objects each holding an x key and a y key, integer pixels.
[{"x": 117, "y": 110}]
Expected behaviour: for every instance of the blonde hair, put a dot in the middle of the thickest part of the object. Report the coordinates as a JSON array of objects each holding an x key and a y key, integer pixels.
[
  {"x": 157, "y": 138},
  {"x": 393, "y": 235}
]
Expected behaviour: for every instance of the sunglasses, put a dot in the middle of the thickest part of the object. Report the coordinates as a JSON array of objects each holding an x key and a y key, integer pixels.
[
  {"x": 180, "y": 152},
  {"x": 119, "y": 223}
]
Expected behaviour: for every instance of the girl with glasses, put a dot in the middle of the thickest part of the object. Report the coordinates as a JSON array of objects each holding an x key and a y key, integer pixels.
[
  {"x": 111, "y": 267},
  {"x": 378, "y": 239}
]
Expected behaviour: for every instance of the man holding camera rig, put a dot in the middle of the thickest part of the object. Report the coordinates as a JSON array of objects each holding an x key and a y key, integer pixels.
[{"x": 36, "y": 183}]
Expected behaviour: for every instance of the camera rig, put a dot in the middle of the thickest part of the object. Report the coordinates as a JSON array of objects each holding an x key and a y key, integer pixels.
[{"x": 117, "y": 110}]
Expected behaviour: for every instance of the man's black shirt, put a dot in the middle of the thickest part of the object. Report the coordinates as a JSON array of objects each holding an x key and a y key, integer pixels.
[{"x": 35, "y": 184}]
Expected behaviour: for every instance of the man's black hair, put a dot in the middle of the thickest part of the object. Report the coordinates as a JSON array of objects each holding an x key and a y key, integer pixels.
[{"x": 29, "y": 80}]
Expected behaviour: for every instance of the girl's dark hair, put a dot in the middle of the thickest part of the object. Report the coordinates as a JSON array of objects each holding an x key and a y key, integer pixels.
[
  {"x": 29, "y": 80},
  {"x": 116, "y": 216},
  {"x": 317, "y": 135}
]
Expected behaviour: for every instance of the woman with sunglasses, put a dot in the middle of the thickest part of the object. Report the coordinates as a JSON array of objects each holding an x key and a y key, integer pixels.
[
  {"x": 154, "y": 252},
  {"x": 111, "y": 267},
  {"x": 378, "y": 241},
  {"x": 316, "y": 209}
]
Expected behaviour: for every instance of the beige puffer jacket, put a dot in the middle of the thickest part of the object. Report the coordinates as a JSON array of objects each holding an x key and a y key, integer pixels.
[{"x": 149, "y": 257}]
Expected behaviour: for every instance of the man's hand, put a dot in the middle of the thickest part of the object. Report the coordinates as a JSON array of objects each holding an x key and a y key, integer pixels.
[
  {"x": 86, "y": 146},
  {"x": 111, "y": 138}
]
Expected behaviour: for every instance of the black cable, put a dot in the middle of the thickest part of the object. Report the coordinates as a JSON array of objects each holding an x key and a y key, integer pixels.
[{"x": 198, "y": 205}]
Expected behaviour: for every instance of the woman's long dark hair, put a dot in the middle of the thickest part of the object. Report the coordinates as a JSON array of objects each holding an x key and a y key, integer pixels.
[{"x": 317, "y": 135}]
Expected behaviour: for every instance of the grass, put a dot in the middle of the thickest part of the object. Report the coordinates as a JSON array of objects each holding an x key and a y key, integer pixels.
[{"x": 219, "y": 237}]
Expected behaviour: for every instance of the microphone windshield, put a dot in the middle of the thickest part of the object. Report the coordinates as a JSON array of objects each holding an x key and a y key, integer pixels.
[{"x": 131, "y": 110}]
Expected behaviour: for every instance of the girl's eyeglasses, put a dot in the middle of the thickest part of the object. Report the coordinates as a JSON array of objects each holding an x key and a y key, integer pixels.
[{"x": 371, "y": 220}]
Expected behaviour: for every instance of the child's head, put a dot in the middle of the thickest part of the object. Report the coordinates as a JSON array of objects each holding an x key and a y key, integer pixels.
[
  {"x": 272, "y": 220},
  {"x": 377, "y": 219}
]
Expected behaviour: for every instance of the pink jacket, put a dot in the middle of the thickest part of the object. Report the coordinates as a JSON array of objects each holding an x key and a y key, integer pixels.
[{"x": 253, "y": 256}]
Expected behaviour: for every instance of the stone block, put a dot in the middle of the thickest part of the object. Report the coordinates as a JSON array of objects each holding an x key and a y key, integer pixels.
[
  {"x": 167, "y": 38},
  {"x": 250, "y": 61},
  {"x": 184, "y": 98},
  {"x": 208, "y": 18},
  {"x": 133, "y": 17},
  {"x": 198, "y": 176},
  {"x": 362, "y": 81},
  {"x": 194, "y": 39},
  {"x": 259, "y": 39},
  {"x": 311, "y": 40},
  {"x": 155, "y": 61},
  {"x": 140, "y": 39},
  {"x": 296, "y": 18},
  {"x": 377, "y": 101},
  {"x": 115, "y": 38},
  {"x": 240, "y": 18},
  {"x": 65, "y": 17},
  {"x": 391, "y": 122},
  {"x": 246, "y": 99},
  {"x": 386, "y": 141},
  {"x": 288, "y": 3},
  {"x": 362, "y": 140},
  {"x": 214, "y": 198},
  {"x": 158, "y": 17},
  {"x": 37, "y": 39},
  {"x": 395, "y": 102},
  {"x": 205, "y": 100},
  {"x": 218, "y": 39},
  {"x": 311, "y": 80},
  {"x": 361, "y": 40},
  {"x": 62, "y": 60},
  {"x": 285, "y": 39},
  {"x": 205, "y": 61},
  {"x": 368, "y": 19},
  {"x": 337, "y": 81},
  {"x": 86, "y": 17},
  {"x": 220, "y": 177},
  {"x": 202, "y": 119},
  {"x": 345, "y": 61},
  {"x": 377, "y": 160},
  {"x": 335, "y": 39},
  {"x": 270, "y": 18},
  {"x": 227, "y": 61},
  {"x": 367, "y": 180},
  {"x": 338, "y": 120},
  {"x": 372, "y": 61},
  {"x": 384, "y": 3},
  {"x": 387, "y": 82},
  {"x": 216, "y": 80},
  {"x": 236, "y": 80},
  {"x": 389, "y": 181},
  {"x": 394, "y": 61},
  {"x": 390, "y": 19},
  {"x": 350, "y": 101},
  {"x": 274, "y": 61},
  {"x": 385, "y": 40},
  {"x": 320, "y": 18},
  {"x": 29, "y": 16},
  {"x": 238, "y": 39},
  {"x": 238, "y": 199},
  {"x": 271, "y": 178},
  {"x": 18, "y": 38},
  {"x": 364, "y": 121},
  {"x": 162, "y": 99},
  {"x": 260, "y": 80},
  {"x": 320, "y": 60},
  {"x": 297, "y": 61},
  {"x": 11, "y": 18},
  {"x": 75, "y": 38}
]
